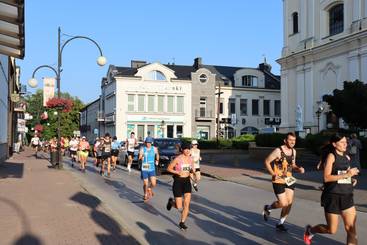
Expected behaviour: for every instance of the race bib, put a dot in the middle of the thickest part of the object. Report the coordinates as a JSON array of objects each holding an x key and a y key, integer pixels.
[
  {"x": 290, "y": 180},
  {"x": 145, "y": 166},
  {"x": 186, "y": 167},
  {"x": 346, "y": 180}
]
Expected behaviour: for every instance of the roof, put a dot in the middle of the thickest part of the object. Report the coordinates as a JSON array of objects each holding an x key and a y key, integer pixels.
[
  {"x": 12, "y": 28},
  {"x": 183, "y": 72}
]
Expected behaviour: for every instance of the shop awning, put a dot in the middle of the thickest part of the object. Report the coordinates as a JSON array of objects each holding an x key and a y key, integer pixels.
[{"x": 12, "y": 28}]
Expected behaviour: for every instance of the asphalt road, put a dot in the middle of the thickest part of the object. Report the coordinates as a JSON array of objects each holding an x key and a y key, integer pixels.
[{"x": 221, "y": 212}]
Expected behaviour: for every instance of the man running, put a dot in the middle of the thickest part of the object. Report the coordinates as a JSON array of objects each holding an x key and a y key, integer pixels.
[
  {"x": 35, "y": 142},
  {"x": 74, "y": 145},
  {"x": 280, "y": 164},
  {"x": 106, "y": 154},
  {"x": 181, "y": 167},
  {"x": 149, "y": 156},
  {"x": 195, "y": 155},
  {"x": 131, "y": 143}
]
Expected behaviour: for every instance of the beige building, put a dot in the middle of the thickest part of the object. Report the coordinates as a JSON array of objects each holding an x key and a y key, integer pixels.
[{"x": 325, "y": 44}]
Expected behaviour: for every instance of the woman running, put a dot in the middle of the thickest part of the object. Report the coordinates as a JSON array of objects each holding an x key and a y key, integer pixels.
[
  {"x": 181, "y": 167},
  {"x": 106, "y": 154},
  {"x": 195, "y": 155},
  {"x": 84, "y": 151},
  {"x": 337, "y": 196}
]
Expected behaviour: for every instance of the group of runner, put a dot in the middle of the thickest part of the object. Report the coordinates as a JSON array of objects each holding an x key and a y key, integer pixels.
[{"x": 337, "y": 190}]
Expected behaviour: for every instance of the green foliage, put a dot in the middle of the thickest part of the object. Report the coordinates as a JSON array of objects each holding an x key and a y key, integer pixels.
[
  {"x": 69, "y": 120},
  {"x": 275, "y": 140},
  {"x": 314, "y": 142},
  {"x": 350, "y": 103}
]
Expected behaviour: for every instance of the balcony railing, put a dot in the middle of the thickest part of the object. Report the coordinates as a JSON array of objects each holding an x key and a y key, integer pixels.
[
  {"x": 204, "y": 115},
  {"x": 100, "y": 116}
]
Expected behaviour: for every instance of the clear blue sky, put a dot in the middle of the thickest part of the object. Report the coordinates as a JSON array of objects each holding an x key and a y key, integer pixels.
[{"x": 231, "y": 33}]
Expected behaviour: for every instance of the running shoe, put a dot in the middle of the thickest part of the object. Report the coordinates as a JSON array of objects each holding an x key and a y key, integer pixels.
[
  {"x": 169, "y": 203},
  {"x": 195, "y": 187},
  {"x": 266, "y": 213},
  {"x": 281, "y": 227},
  {"x": 182, "y": 226},
  {"x": 307, "y": 237}
]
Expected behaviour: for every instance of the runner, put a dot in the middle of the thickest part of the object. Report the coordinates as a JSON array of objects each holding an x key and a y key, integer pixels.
[
  {"x": 149, "y": 156},
  {"x": 114, "y": 152},
  {"x": 73, "y": 144},
  {"x": 195, "y": 155},
  {"x": 337, "y": 197},
  {"x": 66, "y": 145},
  {"x": 95, "y": 150},
  {"x": 106, "y": 154},
  {"x": 35, "y": 142},
  {"x": 283, "y": 160},
  {"x": 84, "y": 152},
  {"x": 181, "y": 167},
  {"x": 131, "y": 143}
]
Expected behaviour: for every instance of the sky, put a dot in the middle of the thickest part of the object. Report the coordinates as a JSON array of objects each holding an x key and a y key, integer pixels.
[{"x": 229, "y": 33}]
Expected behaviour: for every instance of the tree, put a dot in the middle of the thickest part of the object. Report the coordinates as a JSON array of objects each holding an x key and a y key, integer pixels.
[
  {"x": 350, "y": 104},
  {"x": 69, "y": 120}
]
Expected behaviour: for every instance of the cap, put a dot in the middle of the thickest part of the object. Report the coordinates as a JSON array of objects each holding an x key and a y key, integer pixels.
[
  {"x": 149, "y": 140},
  {"x": 185, "y": 146},
  {"x": 83, "y": 137},
  {"x": 194, "y": 142}
]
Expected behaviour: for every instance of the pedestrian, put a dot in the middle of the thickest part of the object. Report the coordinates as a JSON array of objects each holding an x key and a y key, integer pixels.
[
  {"x": 337, "y": 197},
  {"x": 280, "y": 164},
  {"x": 355, "y": 146},
  {"x": 148, "y": 155},
  {"x": 66, "y": 145},
  {"x": 114, "y": 152},
  {"x": 181, "y": 167},
  {"x": 84, "y": 152},
  {"x": 73, "y": 148},
  {"x": 131, "y": 143},
  {"x": 95, "y": 148},
  {"x": 106, "y": 154},
  {"x": 35, "y": 142},
  {"x": 195, "y": 155}
]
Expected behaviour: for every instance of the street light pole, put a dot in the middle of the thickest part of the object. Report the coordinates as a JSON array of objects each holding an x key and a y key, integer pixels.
[
  {"x": 33, "y": 82},
  {"x": 218, "y": 111}
]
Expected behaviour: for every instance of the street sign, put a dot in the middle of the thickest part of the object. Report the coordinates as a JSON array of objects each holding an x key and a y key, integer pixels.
[
  {"x": 95, "y": 131},
  {"x": 76, "y": 132}
]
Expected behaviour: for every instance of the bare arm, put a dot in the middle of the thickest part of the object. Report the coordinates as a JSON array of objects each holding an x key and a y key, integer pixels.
[
  {"x": 171, "y": 166},
  {"x": 328, "y": 177},
  {"x": 156, "y": 155},
  {"x": 275, "y": 154}
]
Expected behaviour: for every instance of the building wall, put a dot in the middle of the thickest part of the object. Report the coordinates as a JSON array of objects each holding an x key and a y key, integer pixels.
[
  {"x": 315, "y": 63},
  {"x": 4, "y": 88},
  {"x": 89, "y": 118}
]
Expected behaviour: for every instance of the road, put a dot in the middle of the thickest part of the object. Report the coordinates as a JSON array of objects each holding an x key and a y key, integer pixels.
[{"x": 221, "y": 212}]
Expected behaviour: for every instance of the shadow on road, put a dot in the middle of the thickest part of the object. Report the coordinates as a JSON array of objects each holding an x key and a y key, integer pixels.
[
  {"x": 115, "y": 235},
  {"x": 28, "y": 239},
  {"x": 11, "y": 170}
]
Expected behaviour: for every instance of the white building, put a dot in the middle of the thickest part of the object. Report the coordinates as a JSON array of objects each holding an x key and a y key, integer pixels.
[{"x": 325, "y": 44}]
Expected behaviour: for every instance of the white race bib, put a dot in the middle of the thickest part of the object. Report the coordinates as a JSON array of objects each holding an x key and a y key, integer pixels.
[
  {"x": 290, "y": 180},
  {"x": 346, "y": 180},
  {"x": 186, "y": 167},
  {"x": 145, "y": 166}
]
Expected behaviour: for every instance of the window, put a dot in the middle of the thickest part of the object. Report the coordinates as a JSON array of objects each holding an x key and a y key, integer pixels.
[
  {"x": 130, "y": 102},
  {"x": 277, "y": 108},
  {"x": 232, "y": 106},
  {"x": 140, "y": 132},
  {"x": 243, "y": 107},
  {"x": 160, "y": 103},
  {"x": 266, "y": 108},
  {"x": 203, "y": 78},
  {"x": 141, "y": 102},
  {"x": 295, "y": 22},
  {"x": 249, "y": 81},
  {"x": 169, "y": 131},
  {"x": 151, "y": 99},
  {"x": 255, "y": 107},
  {"x": 169, "y": 103},
  {"x": 221, "y": 107},
  {"x": 179, "y": 131},
  {"x": 180, "y": 104},
  {"x": 150, "y": 131},
  {"x": 336, "y": 19},
  {"x": 202, "y": 106},
  {"x": 156, "y": 75}
]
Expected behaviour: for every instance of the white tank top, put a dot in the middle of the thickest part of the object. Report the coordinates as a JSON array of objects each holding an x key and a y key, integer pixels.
[{"x": 131, "y": 144}]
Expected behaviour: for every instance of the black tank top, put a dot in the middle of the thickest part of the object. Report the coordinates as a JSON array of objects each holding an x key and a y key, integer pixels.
[
  {"x": 340, "y": 166},
  {"x": 107, "y": 146}
]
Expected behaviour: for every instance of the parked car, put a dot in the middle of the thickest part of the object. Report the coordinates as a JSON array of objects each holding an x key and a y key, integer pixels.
[
  {"x": 167, "y": 148},
  {"x": 123, "y": 157}
]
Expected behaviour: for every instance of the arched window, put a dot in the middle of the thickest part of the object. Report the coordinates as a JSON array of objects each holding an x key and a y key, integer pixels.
[
  {"x": 295, "y": 22},
  {"x": 156, "y": 75},
  {"x": 336, "y": 19}
]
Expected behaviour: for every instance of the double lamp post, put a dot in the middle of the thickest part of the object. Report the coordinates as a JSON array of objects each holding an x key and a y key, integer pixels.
[{"x": 33, "y": 82}]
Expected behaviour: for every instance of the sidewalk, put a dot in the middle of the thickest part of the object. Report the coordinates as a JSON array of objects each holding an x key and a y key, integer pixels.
[
  {"x": 252, "y": 173},
  {"x": 39, "y": 205}
]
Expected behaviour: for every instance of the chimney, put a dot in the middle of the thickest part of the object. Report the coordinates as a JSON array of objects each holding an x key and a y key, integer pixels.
[
  {"x": 138, "y": 63},
  {"x": 197, "y": 62},
  {"x": 265, "y": 67}
]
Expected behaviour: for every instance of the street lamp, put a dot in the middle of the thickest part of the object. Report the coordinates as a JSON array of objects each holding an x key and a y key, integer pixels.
[
  {"x": 101, "y": 61},
  {"x": 320, "y": 109}
]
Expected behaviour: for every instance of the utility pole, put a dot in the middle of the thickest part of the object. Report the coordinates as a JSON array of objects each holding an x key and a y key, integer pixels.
[{"x": 218, "y": 111}]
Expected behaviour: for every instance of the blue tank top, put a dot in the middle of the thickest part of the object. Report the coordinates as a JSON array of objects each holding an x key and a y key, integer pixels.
[
  {"x": 115, "y": 145},
  {"x": 148, "y": 159}
]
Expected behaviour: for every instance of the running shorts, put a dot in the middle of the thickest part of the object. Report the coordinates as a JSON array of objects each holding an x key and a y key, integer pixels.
[
  {"x": 147, "y": 174},
  {"x": 336, "y": 203},
  {"x": 83, "y": 153},
  {"x": 106, "y": 155},
  {"x": 72, "y": 152},
  {"x": 130, "y": 153},
  {"x": 280, "y": 188},
  {"x": 114, "y": 152},
  {"x": 197, "y": 169},
  {"x": 181, "y": 186}
]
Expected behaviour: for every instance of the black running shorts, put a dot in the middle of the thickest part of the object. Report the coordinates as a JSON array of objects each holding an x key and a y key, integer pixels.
[
  {"x": 280, "y": 188},
  {"x": 336, "y": 203},
  {"x": 115, "y": 152},
  {"x": 181, "y": 186},
  {"x": 106, "y": 155}
]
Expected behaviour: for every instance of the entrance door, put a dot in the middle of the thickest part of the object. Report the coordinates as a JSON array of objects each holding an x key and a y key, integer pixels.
[{"x": 169, "y": 131}]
